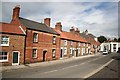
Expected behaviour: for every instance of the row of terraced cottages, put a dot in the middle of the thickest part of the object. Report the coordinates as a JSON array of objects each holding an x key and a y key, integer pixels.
[{"x": 25, "y": 41}]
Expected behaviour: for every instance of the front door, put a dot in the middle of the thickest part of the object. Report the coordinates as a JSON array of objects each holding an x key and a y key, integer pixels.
[
  {"x": 44, "y": 55},
  {"x": 15, "y": 58},
  {"x": 61, "y": 53}
]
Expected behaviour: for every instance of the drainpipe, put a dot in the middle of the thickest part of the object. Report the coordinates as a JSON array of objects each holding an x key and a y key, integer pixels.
[{"x": 25, "y": 47}]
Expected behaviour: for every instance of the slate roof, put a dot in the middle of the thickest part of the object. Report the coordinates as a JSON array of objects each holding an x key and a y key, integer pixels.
[
  {"x": 90, "y": 38},
  {"x": 37, "y": 26},
  {"x": 87, "y": 36},
  {"x": 10, "y": 28}
]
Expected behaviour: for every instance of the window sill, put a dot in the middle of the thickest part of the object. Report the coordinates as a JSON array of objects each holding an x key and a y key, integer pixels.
[
  {"x": 4, "y": 45},
  {"x": 3, "y": 60}
]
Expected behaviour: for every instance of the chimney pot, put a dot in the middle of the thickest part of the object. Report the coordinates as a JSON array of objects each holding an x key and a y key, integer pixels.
[
  {"x": 58, "y": 26},
  {"x": 72, "y": 30}
]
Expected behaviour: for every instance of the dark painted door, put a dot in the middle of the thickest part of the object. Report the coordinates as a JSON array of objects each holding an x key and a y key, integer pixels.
[
  {"x": 61, "y": 53},
  {"x": 44, "y": 55},
  {"x": 15, "y": 57}
]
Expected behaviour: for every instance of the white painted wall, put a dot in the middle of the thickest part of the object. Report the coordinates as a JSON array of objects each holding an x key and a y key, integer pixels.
[{"x": 107, "y": 44}]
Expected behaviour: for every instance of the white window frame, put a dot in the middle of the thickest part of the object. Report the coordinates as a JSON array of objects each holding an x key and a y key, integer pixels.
[
  {"x": 71, "y": 43},
  {"x": 7, "y": 57},
  {"x": 53, "y": 53},
  {"x": 36, "y": 53},
  {"x": 65, "y": 52},
  {"x": 79, "y": 44},
  {"x": 71, "y": 50},
  {"x": 65, "y": 42},
  {"x": 35, "y": 40},
  {"x": 54, "y": 39},
  {"x": 4, "y": 44}
]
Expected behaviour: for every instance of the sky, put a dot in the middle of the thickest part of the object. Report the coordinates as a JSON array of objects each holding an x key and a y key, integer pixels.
[{"x": 99, "y": 18}]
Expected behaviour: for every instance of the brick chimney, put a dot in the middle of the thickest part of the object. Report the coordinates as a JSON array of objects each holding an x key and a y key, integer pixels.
[
  {"x": 47, "y": 21},
  {"x": 58, "y": 26},
  {"x": 72, "y": 30},
  {"x": 16, "y": 12},
  {"x": 86, "y": 32},
  {"x": 77, "y": 31}
]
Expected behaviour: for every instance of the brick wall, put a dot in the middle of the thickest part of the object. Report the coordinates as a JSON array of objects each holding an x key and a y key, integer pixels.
[
  {"x": 16, "y": 43},
  {"x": 44, "y": 44}
]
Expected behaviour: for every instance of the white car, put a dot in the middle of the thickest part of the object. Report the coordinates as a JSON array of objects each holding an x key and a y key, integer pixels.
[{"x": 105, "y": 52}]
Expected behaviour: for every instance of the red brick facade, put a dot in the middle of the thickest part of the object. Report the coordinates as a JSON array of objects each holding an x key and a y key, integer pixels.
[
  {"x": 44, "y": 44},
  {"x": 16, "y": 43}
]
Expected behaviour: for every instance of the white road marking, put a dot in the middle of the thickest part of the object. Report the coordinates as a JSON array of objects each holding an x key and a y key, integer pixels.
[
  {"x": 71, "y": 66},
  {"x": 100, "y": 68}
]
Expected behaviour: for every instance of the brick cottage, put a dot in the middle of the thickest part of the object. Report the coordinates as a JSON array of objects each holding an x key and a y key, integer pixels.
[{"x": 26, "y": 41}]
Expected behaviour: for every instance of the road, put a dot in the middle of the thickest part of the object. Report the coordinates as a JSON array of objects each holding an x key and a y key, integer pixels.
[{"x": 80, "y": 68}]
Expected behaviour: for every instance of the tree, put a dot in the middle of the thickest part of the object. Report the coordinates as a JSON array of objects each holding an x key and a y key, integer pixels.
[
  {"x": 101, "y": 39},
  {"x": 118, "y": 39},
  {"x": 115, "y": 39}
]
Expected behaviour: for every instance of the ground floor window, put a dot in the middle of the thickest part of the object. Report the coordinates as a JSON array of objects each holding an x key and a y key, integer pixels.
[
  {"x": 3, "y": 56},
  {"x": 65, "y": 51},
  {"x": 53, "y": 53},
  {"x": 34, "y": 53},
  {"x": 71, "y": 50}
]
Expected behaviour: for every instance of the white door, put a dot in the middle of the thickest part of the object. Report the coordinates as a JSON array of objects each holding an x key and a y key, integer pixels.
[{"x": 15, "y": 57}]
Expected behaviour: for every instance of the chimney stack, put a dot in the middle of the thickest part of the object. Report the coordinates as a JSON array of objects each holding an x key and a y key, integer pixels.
[
  {"x": 58, "y": 26},
  {"x": 77, "y": 31},
  {"x": 86, "y": 32},
  {"x": 16, "y": 12},
  {"x": 47, "y": 21},
  {"x": 72, "y": 30}
]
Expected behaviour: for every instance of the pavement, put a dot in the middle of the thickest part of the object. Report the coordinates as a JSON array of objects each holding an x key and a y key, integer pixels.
[{"x": 47, "y": 63}]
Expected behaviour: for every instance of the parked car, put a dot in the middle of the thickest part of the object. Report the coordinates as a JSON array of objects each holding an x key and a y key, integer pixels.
[
  {"x": 118, "y": 50},
  {"x": 105, "y": 52}
]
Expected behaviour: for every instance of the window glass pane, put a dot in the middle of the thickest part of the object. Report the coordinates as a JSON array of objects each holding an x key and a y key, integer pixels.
[{"x": 3, "y": 55}]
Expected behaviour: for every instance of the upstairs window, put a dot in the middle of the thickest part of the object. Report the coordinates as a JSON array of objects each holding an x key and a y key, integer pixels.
[
  {"x": 54, "y": 39},
  {"x": 4, "y": 41},
  {"x": 3, "y": 56},
  {"x": 71, "y": 43},
  {"x": 79, "y": 44},
  {"x": 35, "y": 37},
  {"x": 65, "y": 43},
  {"x": 34, "y": 53}
]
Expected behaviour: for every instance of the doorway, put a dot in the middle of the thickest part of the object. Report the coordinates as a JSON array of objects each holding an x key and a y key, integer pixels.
[
  {"x": 44, "y": 55},
  {"x": 15, "y": 59}
]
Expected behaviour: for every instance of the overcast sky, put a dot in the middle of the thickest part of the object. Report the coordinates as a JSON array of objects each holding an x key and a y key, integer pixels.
[{"x": 99, "y": 18}]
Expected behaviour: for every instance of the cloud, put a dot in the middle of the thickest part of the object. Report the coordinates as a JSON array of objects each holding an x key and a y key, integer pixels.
[{"x": 100, "y": 18}]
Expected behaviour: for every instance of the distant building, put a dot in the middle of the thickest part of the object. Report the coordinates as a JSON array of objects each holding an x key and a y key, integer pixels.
[
  {"x": 94, "y": 43},
  {"x": 110, "y": 46}
]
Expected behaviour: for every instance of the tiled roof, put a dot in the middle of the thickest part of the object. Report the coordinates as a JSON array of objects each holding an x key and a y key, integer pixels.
[
  {"x": 10, "y": 28},
  {"x": 87, "y": 36},
  {"x": 90, "y": 38},
  {"x": 70, "y": 36},
  {"x": 37, "y": 26}
]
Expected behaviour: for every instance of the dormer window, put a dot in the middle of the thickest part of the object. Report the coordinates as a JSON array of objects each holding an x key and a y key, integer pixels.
[{"x": 35, "y": 37}]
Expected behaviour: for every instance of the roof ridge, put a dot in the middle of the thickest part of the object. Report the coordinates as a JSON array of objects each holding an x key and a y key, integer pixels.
[{"x": 31, "y": 20}]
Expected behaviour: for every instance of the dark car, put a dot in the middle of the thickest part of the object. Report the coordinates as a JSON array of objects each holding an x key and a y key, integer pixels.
[{"x": 118, "y": 50}]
